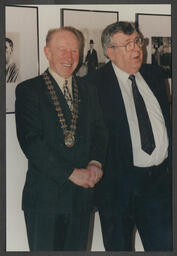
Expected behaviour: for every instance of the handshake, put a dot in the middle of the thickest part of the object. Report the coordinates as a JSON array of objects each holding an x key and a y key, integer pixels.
[{"x": 87, "y": 178}]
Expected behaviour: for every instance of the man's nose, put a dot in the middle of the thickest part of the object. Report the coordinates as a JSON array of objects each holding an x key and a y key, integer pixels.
[{"x": 68, "y": 54}]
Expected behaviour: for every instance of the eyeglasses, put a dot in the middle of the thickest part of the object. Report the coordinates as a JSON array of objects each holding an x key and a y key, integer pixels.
[{"x": 131, "y": 44}]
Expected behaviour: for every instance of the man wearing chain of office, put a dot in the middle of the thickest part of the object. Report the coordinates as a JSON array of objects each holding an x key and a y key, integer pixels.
[{"x": 61, "y": 132}]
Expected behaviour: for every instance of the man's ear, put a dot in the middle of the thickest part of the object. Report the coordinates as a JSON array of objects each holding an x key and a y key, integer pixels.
[
  {"x": 110, "y": 53},
  {"x": 47, "y": 52}
]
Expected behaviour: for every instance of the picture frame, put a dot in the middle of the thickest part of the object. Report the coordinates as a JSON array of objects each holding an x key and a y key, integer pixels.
[
  {"x": 157, "y": 33},
  {"x": 85, "y": 21},
  {"x": 22, "y": 43}
]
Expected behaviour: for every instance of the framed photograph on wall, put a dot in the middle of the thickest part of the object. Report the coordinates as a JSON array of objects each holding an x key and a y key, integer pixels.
[
  {"x": 91, "y": 23},
  {"x": 22, "y": 49},
  {"x": 156, "y": 29}
]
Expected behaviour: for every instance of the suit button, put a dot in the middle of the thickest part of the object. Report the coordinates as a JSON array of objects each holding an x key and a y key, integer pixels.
[{"x": 150, "y": 173}]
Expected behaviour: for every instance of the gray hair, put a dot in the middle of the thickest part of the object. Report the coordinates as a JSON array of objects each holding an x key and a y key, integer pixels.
[{"x": 107, "y": 34}]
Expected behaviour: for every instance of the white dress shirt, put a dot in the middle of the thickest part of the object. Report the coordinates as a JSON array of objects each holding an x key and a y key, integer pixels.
[{"x": 141, "y": 158}]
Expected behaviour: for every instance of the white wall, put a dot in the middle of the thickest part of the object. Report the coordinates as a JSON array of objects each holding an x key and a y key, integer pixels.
[{"x": 49, "y": 17}]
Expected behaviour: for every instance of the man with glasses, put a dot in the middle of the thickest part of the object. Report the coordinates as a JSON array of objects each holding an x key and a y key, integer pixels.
[{"x": 136, "y": 187}]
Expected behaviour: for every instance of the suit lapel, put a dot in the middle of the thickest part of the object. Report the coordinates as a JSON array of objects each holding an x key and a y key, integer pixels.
[
  {"x": 155, "y": 85},
  {"x": 151, "y": 82},
  {"x": 118, "y": 109},
  {"x": 82, "y": 99},
  {"x": 62, "y": 100}
]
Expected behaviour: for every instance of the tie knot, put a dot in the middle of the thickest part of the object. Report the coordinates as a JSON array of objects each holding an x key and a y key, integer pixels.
[
  {"x": 132, "y": 78},
  {"x": 65, "y": 85},
  {"x": 66, "y": 82}
]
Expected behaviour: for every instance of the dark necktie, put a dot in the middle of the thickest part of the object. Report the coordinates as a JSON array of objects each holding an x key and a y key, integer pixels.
[{"x": 145, "y": 128}]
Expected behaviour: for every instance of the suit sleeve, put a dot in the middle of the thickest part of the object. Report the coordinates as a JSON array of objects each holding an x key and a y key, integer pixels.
[
  {"x": 86, "y": 59},
  {"x": 96, "y": 59},
  {"x": 100, "y": 136},
  {"x": 30, "y": 135}
]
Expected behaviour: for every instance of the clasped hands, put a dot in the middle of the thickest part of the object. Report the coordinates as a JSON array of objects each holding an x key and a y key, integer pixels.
[{"x": 86, "y": 178}]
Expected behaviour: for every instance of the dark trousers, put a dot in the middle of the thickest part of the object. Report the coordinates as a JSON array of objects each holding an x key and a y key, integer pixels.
[
  {"x": 53, "y": 232},
  {"x": 143, "y": 200}
]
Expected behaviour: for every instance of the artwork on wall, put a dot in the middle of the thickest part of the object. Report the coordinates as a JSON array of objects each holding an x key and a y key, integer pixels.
[
  {"x": 161, "y": 53},
  {"x": 91, "y": 23},
  {"x": 156, "y": 29},
  {"x": 22, "y": 49}
]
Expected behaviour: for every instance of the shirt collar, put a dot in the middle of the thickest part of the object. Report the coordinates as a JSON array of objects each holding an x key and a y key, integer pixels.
[
  {"x": 122, "y": 75},
  {"x": 60, "y": 80}
]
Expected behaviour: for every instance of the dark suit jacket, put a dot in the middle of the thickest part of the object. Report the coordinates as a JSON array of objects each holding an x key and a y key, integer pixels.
[
  {"x": 92, "y": 60},
  {"x": 120, "y": 157},
  {"x": 50, "y": 162}
]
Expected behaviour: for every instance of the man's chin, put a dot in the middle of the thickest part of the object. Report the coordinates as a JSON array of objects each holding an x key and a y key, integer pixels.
[
  {"x": 65, "y": 73},
  {"x": 137, "y": 67}
]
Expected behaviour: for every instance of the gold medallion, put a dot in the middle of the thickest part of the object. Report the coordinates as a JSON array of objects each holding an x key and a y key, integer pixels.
[
  {"x": 68, "y": 132},
  {"x": 69, "y": 139}
]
